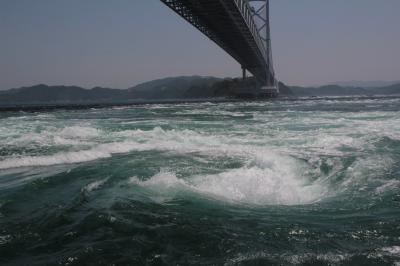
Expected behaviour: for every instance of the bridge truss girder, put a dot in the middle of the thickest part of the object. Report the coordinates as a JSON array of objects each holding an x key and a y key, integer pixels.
[{"x": 230, "y": 24}]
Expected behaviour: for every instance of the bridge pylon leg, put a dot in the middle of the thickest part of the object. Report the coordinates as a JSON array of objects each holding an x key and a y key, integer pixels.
[{"x": 244, "y": 74}]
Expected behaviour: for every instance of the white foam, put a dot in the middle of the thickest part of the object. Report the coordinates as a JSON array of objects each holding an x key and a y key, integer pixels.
[
  {"x": 156, "y": 139},
  {"x": 100, "y": 152},
  {"x": 329, "y": 258},
  {"x": 94, "y": 185},
  {"x": 286, "y": 259},
  {"x": 79, "y": 132},
  {"x": 394, "y": 250},
  {"x": 282, "y": 185},
  {"x": 59, "y": 158},
  {"x": 387, "y": 186},
  {"x": 164, "y": 179},
  {"x": 72, "y": 135},
  {"x": 364, "y": 171},
  {"x": 260, "y": 186},
  {"x": 4, "y": 239}
]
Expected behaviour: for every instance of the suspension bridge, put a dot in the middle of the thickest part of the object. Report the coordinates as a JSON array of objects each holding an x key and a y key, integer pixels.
[{"x": 240, "y": 27}]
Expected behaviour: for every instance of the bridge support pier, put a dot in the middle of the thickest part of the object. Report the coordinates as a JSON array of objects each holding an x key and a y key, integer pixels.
[{"x": 244, "y": 74}]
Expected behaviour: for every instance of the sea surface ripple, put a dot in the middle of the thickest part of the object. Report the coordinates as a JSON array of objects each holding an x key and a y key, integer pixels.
[{"x": 307, "y": 182}]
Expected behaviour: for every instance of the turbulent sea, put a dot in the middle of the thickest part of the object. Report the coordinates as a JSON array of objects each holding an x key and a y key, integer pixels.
[{"x": 311, "y": 182}]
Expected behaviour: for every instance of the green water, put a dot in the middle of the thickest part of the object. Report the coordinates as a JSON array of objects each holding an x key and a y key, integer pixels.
[{"x": 262, "y": 183}]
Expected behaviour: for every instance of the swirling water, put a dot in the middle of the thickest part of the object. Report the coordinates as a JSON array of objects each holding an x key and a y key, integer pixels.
[{"x": 261, "y": 183}]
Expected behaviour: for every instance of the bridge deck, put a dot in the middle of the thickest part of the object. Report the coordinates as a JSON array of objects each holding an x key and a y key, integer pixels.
[{"x": 229, "y": 24}]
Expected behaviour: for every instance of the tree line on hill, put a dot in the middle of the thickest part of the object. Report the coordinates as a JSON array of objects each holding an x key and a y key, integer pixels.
[{"x": 193, "y": 87}]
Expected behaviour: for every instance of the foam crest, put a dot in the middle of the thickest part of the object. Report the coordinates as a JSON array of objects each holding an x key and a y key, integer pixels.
[
  {"x": 163, "y": 179},
  {"x": 259, "y": 186},
  {"x": 74, "y": 135},
  {"x": 156, "y": 139},
  {"x": 98, "y": 152},
  {"x": 388, "y": 186},
  {"x": 94, "y": 185},
  {"x": 366, "y": 171},
  {"x": 248, "y": 185},
  {"x": 395, "y": 250},
  {"x": 56, "y": 159},
  {"x": 79, "y": 132}
]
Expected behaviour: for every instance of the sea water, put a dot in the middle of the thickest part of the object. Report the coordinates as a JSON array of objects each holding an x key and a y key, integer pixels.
[{"x": 305, "y": 182}]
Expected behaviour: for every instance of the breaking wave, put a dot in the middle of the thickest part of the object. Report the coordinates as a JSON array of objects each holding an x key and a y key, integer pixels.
[{"x": 251, "y": 185}]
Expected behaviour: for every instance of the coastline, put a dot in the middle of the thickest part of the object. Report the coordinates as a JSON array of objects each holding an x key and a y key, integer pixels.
[{"x": 47, "y": 107}]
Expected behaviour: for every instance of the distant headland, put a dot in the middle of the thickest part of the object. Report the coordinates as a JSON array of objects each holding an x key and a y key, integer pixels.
[{"x": 175, "y": 88}]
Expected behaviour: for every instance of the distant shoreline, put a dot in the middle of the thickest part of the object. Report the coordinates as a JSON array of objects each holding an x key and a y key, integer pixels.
[
  {"x": 174, "y": 90},
  {"x": 81, "y": 106},
  {"x": 84, "y": 106}
]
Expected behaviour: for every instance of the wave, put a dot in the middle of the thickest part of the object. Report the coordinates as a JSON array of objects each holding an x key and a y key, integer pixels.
[
  {"x": 95, "y": 185},
  {"x": 249, "y": 185},
  {"x": 99, "y": 152},
  {"x": 156, "y": 139},
  {"x": 50, "y": 136},
  {"x": 270, "y": 175}
]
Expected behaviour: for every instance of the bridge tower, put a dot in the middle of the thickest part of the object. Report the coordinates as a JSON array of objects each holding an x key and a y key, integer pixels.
[{"x": 261, "y": 15}]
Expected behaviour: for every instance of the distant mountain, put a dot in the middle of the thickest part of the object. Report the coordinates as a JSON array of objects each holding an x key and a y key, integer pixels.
[
  {"x": 335, "y": 90},
  {"x": 194, "y": 87},
  {"x": 393, "y": 89},
  {"x": 168, "y": 88},
  {"x": 329, "y": 90},
  {"x": 43, "y": 93},
  {"x": 173, "y": 88},
  {"x": 365, "y": 84},
  {"x": 285, "y": 91}
]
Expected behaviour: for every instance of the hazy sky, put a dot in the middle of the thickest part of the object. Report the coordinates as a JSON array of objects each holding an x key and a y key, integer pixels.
[{"x": 120, "y": 43}]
